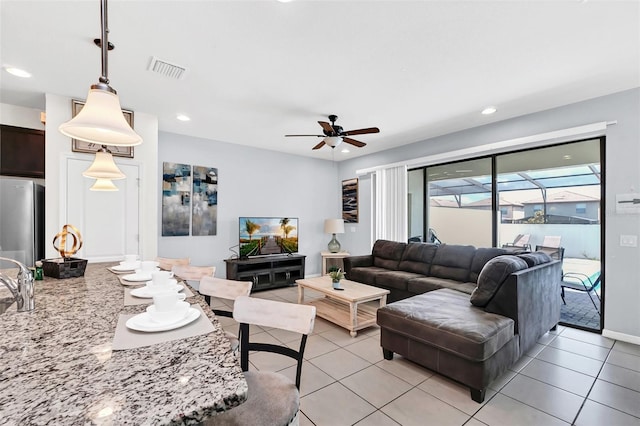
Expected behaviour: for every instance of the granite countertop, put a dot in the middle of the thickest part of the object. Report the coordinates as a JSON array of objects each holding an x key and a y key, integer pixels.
[{"x": 57, "y": 366}]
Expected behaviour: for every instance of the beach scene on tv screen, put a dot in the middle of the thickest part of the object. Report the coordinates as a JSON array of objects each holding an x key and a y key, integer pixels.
[{"x": 261, "y": 236}]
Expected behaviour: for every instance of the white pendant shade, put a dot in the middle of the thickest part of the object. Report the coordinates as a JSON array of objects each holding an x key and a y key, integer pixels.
[
  {"x": 103, "y": 185},
  {"x": 101, "y": 121},
  {"x": 103, "y": 167},
  {"x": 333, "y": 141}
]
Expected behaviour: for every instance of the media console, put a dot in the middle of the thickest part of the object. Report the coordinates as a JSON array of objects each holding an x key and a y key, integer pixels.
[{"x": 267, "y": 272}]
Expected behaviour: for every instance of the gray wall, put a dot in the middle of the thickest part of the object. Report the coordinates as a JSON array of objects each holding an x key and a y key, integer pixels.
[
  {"x": 622, "y": 276},
  {"x": 253, "y": 182}
]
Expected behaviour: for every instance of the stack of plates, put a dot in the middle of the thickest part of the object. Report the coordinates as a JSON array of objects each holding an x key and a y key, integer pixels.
[
  {"x": 143, "y": 322},
  {"x": 139, "y": 276},
  {"x": 148, "y": 291}
]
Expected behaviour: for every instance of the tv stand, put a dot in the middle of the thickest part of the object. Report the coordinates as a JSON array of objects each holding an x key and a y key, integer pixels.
[{"x": 267, "y": 272}]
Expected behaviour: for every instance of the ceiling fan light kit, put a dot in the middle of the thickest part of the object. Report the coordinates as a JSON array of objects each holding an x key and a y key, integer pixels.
[
  {"x": 334, "y": 135},
  {"x": 333, "y": 141}
]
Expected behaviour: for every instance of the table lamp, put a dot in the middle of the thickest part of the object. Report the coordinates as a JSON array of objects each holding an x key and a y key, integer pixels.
[{"x": 334, "y": 226}]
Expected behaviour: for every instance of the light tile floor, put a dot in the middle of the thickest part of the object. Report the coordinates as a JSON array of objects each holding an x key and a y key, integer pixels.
[{"x": 569, "y": 377}]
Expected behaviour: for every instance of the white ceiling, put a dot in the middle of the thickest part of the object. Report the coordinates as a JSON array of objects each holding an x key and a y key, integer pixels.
[{"x": 258, "y": 70}]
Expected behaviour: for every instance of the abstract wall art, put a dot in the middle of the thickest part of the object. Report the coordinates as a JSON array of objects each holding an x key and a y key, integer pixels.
[
  {"x": 204, "y": 201},
  {"x": 176, "y": 199},
  {"x": 350, "y": 200}
]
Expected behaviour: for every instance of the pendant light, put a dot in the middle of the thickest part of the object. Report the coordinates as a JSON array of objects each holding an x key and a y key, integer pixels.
[
  {"x": 103, "y": 185},
  {"x": 101, "y": 120},
  {"x": 103, "y": 167}
]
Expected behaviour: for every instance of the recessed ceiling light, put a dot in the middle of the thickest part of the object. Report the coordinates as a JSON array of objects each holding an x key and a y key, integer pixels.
[
  {"x": 183, "y": 117},
  {"x": 284, "y": 1},
  {"x": 345, "y": 150},
  {"x": 17, "y": 72},
  {"x": 489, "y": 110},
  {"x": 566, "y": 157}
]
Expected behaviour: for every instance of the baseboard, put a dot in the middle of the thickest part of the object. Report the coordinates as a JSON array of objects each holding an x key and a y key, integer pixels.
[{"x": 621, "y": 336}]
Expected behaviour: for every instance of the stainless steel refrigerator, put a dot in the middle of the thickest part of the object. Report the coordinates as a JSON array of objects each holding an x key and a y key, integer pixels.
[{"x": 21, "y": 220}]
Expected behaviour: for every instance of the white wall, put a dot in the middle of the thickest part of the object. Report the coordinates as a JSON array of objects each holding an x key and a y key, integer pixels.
[
  {"x": 579, "y": 241},
  {"x": 58, "y": 147},
  {"x": 475, "y": 232},
  {"x": 622, "y": 273},
  {"x": 253, "y": 182},
  {"x": 12, "y": 115}
]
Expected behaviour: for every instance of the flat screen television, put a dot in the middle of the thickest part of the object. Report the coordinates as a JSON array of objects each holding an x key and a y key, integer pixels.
[{"x": 264, "y": 236}]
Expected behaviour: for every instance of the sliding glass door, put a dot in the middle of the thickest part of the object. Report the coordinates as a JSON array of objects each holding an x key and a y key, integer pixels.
[
  {"x": 553, "y": 197},
  {"x": 547, "y": 199}
]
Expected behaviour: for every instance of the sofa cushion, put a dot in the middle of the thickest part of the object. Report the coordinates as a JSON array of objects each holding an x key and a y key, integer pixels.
[
  {"x": 453, "y": 262},
  {"x": 535, "y": 258},
  {"x": 424, "y": 284},
  {"x": 364, "y": 275},
  {"x": 445, "y": 319},
  {"x": 482, "y": 256},
  {"x": 387, "y": 254},
  {"x": 494, "y": 273},
  {"x": 417, "y": 257},
  {"x": 395, "y": 279}
]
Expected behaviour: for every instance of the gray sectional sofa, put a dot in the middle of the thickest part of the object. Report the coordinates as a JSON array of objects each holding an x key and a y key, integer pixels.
[{"x": 466, "y": 313}]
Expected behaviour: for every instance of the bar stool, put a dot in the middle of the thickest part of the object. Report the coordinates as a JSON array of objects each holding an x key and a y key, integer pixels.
[
  {"x": 272, "y": 398},
  {"x": 167, "y": 263},
  {"x": 227, "y": 290}
]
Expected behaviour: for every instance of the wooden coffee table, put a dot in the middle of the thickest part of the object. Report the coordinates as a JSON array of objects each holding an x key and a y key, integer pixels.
[{"x": 344, "y": 307}]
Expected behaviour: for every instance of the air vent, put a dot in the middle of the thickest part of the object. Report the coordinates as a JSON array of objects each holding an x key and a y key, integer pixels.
[{"x": 166, "y": 68}]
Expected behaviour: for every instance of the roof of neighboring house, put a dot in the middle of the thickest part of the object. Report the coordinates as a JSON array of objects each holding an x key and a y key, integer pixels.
[
  {"x": 564, "y": 197},
  {"x": 487, "y": 202},
  {"x": 440, "y": 202}
]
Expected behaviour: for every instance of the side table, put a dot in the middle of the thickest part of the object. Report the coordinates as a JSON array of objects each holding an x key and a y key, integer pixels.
[{"x": 332, "y": 259}]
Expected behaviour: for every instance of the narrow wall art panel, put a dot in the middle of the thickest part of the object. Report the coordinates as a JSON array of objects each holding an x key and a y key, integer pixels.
[
  {"x": 176, "y": 199},
  {"x": 350, "y": 200},
  {"x": 205, "y": 201}
]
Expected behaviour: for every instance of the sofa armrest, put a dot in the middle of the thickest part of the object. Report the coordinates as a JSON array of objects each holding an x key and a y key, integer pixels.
[
  {"x": 357, "y": 261},
  {"x": 531, "y": 297}
]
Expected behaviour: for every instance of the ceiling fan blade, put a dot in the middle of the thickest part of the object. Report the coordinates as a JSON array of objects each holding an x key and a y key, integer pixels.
[
  {"x": 318, "y": 136},
  {"x": 326, "y": 127},
  {"x": 361, "y": 131},
  {"x": 320, "y": 145},
  {"x": 354, "y": 142}
]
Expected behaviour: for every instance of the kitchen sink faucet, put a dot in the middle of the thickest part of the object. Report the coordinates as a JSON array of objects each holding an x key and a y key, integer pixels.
[{"x": 22, "y": 287}]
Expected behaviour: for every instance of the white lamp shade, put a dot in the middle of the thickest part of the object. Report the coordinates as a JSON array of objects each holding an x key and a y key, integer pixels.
[
  {"x": 333, "y": 141},
  {"x": 103, "y": 167},
  {"x": 103, "y": 185},
  {"x": 101, "y": 121},
  {"x": 334, "y": 226}
]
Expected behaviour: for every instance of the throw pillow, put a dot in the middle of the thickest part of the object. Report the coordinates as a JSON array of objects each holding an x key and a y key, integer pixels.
[
  {"x": 494, "y": 273},
  {"x": 535, "y": 258}
]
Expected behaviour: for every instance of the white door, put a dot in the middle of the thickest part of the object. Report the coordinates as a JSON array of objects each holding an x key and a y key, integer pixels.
[{"x": 108, "y": 221}]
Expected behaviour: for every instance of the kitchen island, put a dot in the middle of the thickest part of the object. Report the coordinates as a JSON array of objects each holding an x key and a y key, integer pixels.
[{"x": 57, "y": 365}]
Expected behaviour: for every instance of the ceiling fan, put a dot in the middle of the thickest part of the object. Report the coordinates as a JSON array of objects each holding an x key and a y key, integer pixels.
[{"x": 334, "y": 135}]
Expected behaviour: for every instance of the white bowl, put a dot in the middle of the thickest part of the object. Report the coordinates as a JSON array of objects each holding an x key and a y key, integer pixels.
[{"x": 181, "y": 310}]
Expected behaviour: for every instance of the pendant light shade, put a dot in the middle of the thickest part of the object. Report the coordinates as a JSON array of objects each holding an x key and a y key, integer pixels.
[
  {"x": 101, "y": 121},
  {"x": 103, "y": 185},
  {"x": 103, "y": 167}
]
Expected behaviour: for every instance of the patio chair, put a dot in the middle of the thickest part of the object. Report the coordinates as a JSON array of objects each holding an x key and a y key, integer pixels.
[
  {"x": 520, "y": 242},
  {"x": 551, "y": 246},
  {"x": 580, "y": 282}
]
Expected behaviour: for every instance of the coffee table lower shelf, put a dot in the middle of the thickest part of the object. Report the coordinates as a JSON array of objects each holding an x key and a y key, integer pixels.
[{"x": 340, "y": 314}]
